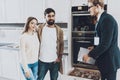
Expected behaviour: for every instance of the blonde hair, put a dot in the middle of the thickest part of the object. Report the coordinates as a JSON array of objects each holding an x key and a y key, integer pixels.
[{"x": 95, "y": 2}]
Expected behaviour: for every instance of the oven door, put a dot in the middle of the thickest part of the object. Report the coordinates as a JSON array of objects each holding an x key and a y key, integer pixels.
[{"x": 83, "y": 31}]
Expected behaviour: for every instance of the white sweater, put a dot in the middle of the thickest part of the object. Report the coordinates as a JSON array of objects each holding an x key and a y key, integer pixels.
[{"x": 29, "y": 48}]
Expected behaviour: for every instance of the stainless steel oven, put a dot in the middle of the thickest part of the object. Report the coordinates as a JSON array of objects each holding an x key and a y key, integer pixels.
[{"x": 83, "y": 32}]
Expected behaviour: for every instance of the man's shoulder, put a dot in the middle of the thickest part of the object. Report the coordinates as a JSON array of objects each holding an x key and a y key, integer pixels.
[
  {"x": 41, "y": 25},
  {"x": 58, "y": 27},
  {"x": 107, "y": 15}
]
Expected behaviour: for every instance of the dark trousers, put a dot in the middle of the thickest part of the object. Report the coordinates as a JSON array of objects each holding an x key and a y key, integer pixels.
[
  {"x": 44, "y": 67},
  {"x": 108, "y": 76}
]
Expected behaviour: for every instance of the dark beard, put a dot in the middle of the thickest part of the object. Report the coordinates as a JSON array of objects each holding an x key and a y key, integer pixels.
[{"x": 50, "y": 22}]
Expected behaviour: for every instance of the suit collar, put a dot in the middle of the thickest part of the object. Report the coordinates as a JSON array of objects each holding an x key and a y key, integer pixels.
[{"x": 99, "y": 15}]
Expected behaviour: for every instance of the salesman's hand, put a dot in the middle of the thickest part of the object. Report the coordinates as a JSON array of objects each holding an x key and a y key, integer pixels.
[
  {"x": 91, "y": 48},
  {"x": 86, "y": 58}
]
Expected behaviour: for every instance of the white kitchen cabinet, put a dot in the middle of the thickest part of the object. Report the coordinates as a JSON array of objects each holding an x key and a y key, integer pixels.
[
  {"x": 2, "y": 11},
  {"x": 9, "y": 64},
  {"x": 33, "y": 8},
  {"x": 9, "y": 11},
  {"x": 17, "y": 11},
  {"x": 12, "y": 12}
]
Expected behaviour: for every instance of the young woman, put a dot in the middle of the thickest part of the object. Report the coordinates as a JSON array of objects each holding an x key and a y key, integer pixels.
[{"x": 29, "y": 48}]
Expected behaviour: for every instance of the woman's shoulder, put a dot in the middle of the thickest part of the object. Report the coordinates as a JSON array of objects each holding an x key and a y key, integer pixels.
[{"x": 24, "y": 36}]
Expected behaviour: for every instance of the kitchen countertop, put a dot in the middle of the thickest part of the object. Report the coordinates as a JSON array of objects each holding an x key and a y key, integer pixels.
[
  {"x": 2, "y": 78},
  {"x": 4, "y": 44},
  {"x": 9, "y": 46},
  {"x": 12, "y": 46}
]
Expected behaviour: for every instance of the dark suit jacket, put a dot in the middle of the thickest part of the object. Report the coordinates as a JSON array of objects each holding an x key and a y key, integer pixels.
[{"x": 107, "y": 53}]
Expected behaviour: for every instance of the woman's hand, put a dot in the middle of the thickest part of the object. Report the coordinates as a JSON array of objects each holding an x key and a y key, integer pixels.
[{"x": 27, "y": 74}]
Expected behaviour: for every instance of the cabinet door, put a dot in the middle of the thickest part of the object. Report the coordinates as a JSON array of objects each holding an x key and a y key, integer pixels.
[
  {"x": 9, "y": 64},
  {"x": 17, "y": 11},
  {"x": 0, "y": 65},
  {"x": 12, "y": 11},
  {"x": 2, "y": 11},
  {"x": 33, "y": 8}
]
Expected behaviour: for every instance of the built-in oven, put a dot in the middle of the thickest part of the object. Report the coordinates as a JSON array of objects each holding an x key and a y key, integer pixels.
[{"x": 83, "y": 32}]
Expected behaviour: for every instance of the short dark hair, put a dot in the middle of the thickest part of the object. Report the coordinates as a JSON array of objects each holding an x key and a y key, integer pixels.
[{"x": 49, "y": 10}]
